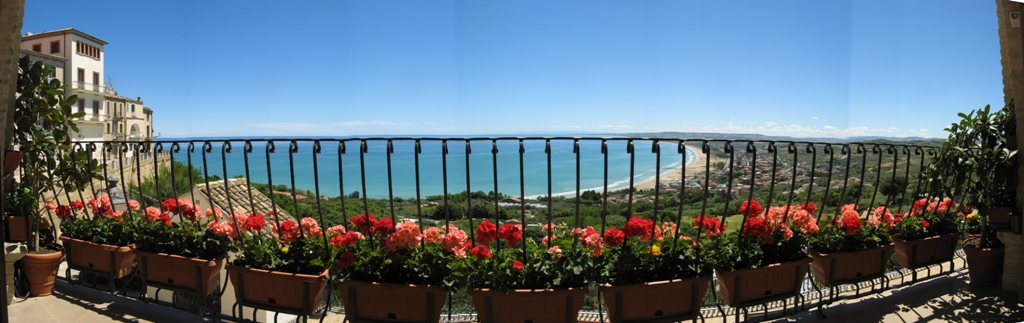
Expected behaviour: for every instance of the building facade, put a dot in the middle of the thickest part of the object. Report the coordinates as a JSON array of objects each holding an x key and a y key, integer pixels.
[{"x": 79, "y": 60}]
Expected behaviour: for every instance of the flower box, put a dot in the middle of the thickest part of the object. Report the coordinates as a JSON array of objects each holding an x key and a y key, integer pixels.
[
  {"x": 372, "y": 301},
  {"x": 17, "y": 228},
  {"x": 756, "y": 285},
  {"x": 181, "y": 272},
  {"x": 296, "y": 293},
  {"x": 675, "y": 299},
  {"x": 924, "y": 252},
  {"x": 528, "y": 305},
  {"x": 849, "y": 267},
  {"x": 114, "y": 260}
]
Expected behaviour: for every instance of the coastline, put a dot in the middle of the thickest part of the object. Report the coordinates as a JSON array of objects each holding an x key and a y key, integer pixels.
[{"x": 672, "y": 175}]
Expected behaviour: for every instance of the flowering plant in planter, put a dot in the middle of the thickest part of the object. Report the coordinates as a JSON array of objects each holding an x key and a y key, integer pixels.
[
  {"x": 643, "y": 252},
  {"x": 286, "y": 246},
  {"x": 848, "y": 232},
  {"x": 96, "y": 220},
  {"x": 498, "y": 260},
  {"x": 926, "y": 218},
  {"x": 194, "y": 235},
  {"x": 778, "y": 235}
]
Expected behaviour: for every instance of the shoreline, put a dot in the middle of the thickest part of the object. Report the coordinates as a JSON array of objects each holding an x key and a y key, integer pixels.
[{"x": 673, "y": 175}]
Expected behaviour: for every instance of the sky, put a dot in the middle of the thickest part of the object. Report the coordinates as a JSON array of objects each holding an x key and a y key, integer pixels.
[{"x": 806, "y": 68}]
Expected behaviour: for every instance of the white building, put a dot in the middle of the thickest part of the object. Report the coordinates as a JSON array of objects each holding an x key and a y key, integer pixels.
[{"x": 79, "y": 59}]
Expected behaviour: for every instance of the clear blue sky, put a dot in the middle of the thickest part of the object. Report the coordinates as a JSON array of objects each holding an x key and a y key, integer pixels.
[{"x": 805, "y": 68}]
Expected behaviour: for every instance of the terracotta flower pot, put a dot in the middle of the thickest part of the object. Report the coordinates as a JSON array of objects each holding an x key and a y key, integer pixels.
[
  {"x": 753, "y": 285},
  {"x": 849, "y": 267},
  {"x": 528, "y": 305},
  {"x": 391, "y": 302},
  {"x": 17, "y": 228},
  {"x": 41, "y": 269},
  {"x": 178, "y": 271},
  {"x": 984, "y": 266},
  {"x": 923, "y": 252},
  {"x": 102, "y": 258},
  {"x": 278, "y": 289},
  {"x": 675, "y": 300},
  {"x": 12, "y": 161}
]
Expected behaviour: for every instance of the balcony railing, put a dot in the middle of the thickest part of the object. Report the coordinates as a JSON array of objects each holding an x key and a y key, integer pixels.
[
  {"x": 577, "y": 180},
  {"x": 102, "y": 88},
  {"x": 95, "y": 117}
]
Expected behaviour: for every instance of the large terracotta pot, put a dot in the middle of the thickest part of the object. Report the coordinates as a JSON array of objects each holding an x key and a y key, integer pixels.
[
  {"x": 41, "y": 269},
  {"x": 528, "y": 305},
  {"x": 17, "y": 228},
  {"x": 753, "y": 285},
  {"x": 984, "y": 266},
  {"x": 278, "y": 289},
  {"x": 99, "y": 257},
  {"x": 924, "y": 252},
  {"x": 849, "y": 267},
  {"x": 391, "y": 302},
  {"x": 675, "y": 299},
  {"x": 12, "y": 161},
  {"x": 182, "y": 272}
]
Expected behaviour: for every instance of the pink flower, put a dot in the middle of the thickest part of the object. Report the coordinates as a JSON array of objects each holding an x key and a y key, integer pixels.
[
  {"x": 455, "y": 241},
  {"x": 556, "y": 251},
  {"x": 407, "y": 234},
  {"x": 134, "y": 205},
  {"x": 51, "y": 205},
  {"x": 221, "y": 228},
  {"x": 432, "y": 235},
  {"x": 310, "y": 228},
  {"x": 152, "y": 213},
  {"x": 882, "y": 215},
  {"x": 335, "y": 230}
]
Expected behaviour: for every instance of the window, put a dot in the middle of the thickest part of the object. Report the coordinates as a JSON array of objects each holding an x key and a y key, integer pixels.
[
  {"x": 108, "y": 128},
  {"x": 147, "y": 130},
  {"x": 81, "y": 105},
  {"x": 96, "y": 78},
  {"x": 133, "y": 109},
  {"x": 55, "y": 47},
  {"x": 96, "y": 107},
  {"x": 87, "y": 50}
]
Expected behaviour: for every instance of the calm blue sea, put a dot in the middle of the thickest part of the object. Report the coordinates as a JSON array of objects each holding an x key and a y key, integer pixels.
[{"x": 563, "y": 174}]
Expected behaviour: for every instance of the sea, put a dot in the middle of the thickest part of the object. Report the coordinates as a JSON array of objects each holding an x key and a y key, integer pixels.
[{"x": 283, "y": 166}]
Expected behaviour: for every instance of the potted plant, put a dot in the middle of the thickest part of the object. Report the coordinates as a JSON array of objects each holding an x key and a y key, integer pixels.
[
  {"x": 291, "y": 256},
  {"x": 100, "y": 239},
  {"x": 651, "y": 272},
  {"x": 534, "y": 281},
  {"x": 849, "y": 250},
  {"x": 401, "y": 273},
  {"x": 927, "y": 234},
  {"x": 767, "y": 259},
  {"x": 42, "y": 124},
  {"x": 984, "y": 252},
  {"x": 189, "y": 253},
  {"x": 19, "y": 206}
]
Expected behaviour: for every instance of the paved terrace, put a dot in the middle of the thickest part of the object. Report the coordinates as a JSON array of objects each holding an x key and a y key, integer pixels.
[{"x": 943, "y": 298}]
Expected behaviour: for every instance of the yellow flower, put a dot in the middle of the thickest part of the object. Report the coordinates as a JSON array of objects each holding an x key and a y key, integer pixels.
[
  {"x": 284, "y": 250},
  {"x": 972, "y": 215},
  {"x": 387, "y": 261},
  {"x": 656, "y": 250}
]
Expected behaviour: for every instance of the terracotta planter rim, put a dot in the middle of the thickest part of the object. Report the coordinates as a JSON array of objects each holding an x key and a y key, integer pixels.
[
  {"x": 937, "y": 236},
  {"x": 171, "y": 255},
  {"x": 659, "y": 282},
  {"x": 537, "y": 290},
  {"x": 363, "y": 282},
  {"x": 806, "y": 260},
  {"x": 815, "y": 253},
  {"x": 128, "y": 247},
  {"x": 323, "y": 275}
]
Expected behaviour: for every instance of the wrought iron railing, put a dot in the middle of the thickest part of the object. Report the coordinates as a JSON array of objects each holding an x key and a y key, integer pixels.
[{"x": 583, "y": 181}]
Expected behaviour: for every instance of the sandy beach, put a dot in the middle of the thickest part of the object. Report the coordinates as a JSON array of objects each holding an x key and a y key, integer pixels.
[{"x": 672, "y": 176}]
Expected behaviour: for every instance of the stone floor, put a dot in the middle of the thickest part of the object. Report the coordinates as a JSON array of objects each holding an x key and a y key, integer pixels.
[{"x": 941, "y": 299}]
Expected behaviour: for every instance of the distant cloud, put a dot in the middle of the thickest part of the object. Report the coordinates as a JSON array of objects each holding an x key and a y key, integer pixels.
[{"x": 815, "y": 118}]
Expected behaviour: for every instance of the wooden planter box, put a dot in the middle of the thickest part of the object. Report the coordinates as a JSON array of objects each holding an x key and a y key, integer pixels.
[
  {"x": 180, "y": 272},
  {"x": 849, "y": 267},
  {"x": 17, "y": 228},
  {"x": 675, "y": 300},
  {"x": 391, "y": 302},
  {"x": 924, "y": 252},
  {"x": 528, "y": 305},
  {"x": 112, "y": 260},
  {"x": 758, "y": 285},
  {"x": 278, "y": 291},
  {"x": 984, "y": 266}
]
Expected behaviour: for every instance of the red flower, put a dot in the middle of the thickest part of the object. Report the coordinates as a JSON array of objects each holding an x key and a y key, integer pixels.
[
  {"x": 486, "y": 232},
  {"x": 254, "y": 222},
  {"x": 346, "y": 239},
  {"x": 850, "y": 222},
  {"x": 363, "y": 222},
  {"x": 517, "y": 265},
  {"x": 77, "y": 205},
  {"x": 165, "y": 218},
  {"x": 751, "y": 208},
  {"x": 481, "y": 252},
  {"x": 345, "y": 259},
  {"x": 810, "y": 207},
  {"x": 712, "y": 225},
  {"x": 288, "y": 231},
  {"x": 638, "y": 227},
  {"x": 170, "y": 205},
  {"x": 64, "y": 212},
  {"x": 756, "y": 226},
  {"x": 614, "y": 237},
  {"x": 511, "y": 233},
  {"x": 925, "y": 223},
  {"x": 384, "y": 226}
]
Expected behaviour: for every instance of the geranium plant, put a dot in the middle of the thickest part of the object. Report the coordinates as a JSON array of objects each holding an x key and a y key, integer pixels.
[
  {"x": 196, "y": 234},
  {"x": 97, "y": 220},
  {"x": 279, "y": 245},
  {"x": 502, "y": 259},
  {"x": 399, "y": 254},
  {"x": 644, "y": 252},
  {"x": 926, "y": 218},
  {"x": 778, "y": 235},
  {"x": 849, "y": 232}
]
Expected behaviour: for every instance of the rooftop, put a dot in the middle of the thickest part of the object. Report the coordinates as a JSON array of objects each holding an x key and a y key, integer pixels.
[{"x": 30, "y": 36}]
